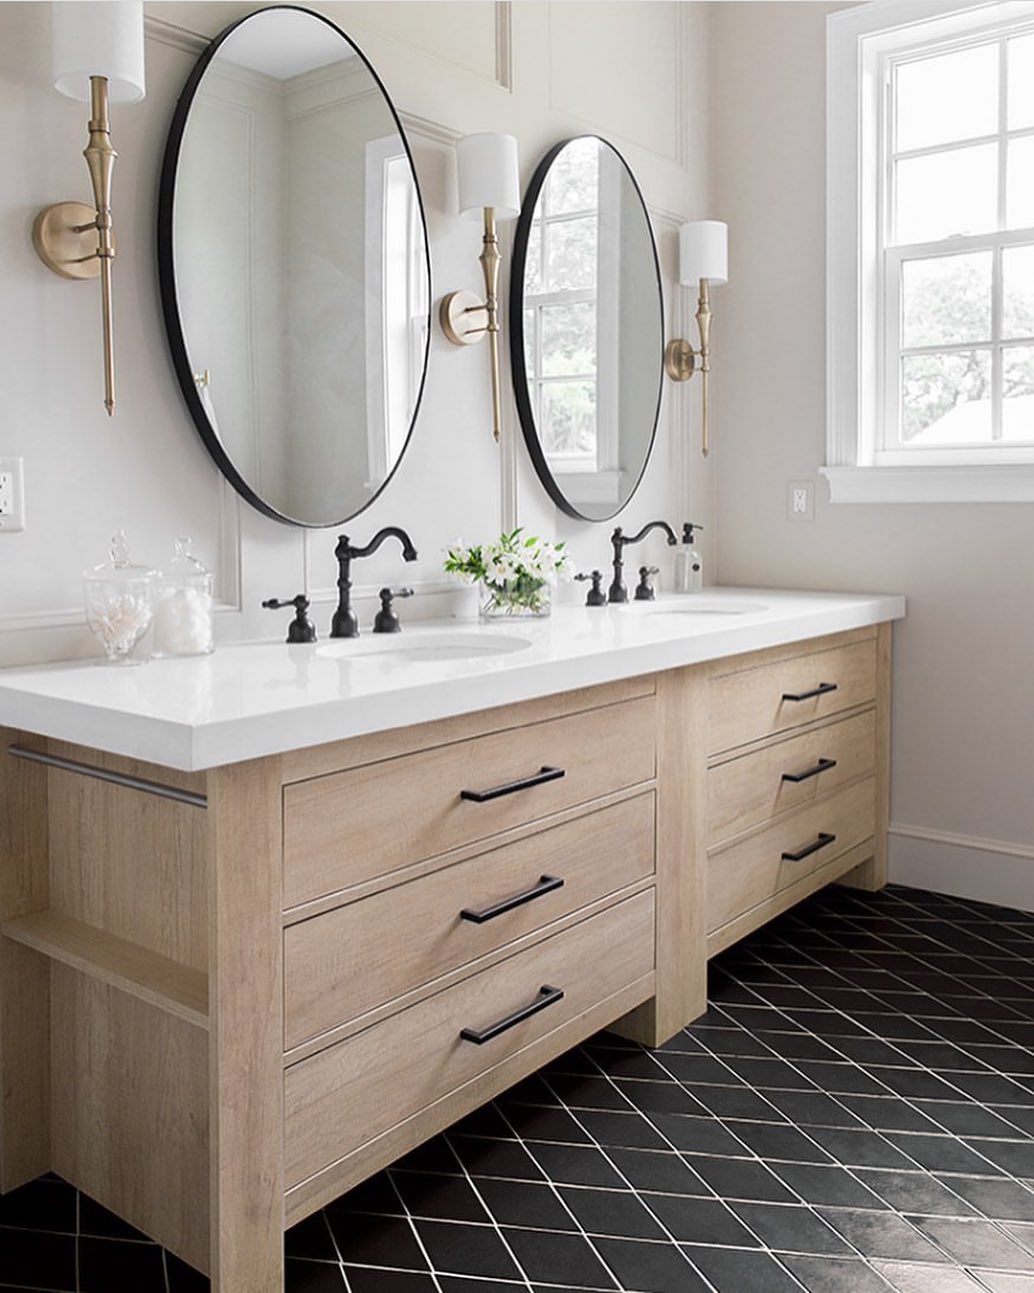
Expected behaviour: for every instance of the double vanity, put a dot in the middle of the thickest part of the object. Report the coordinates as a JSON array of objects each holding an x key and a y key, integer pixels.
[{"x": 273, "y": 917}]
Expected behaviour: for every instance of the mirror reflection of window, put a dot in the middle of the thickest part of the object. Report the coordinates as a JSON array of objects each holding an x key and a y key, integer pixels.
[{"x": 397, "y": 304}]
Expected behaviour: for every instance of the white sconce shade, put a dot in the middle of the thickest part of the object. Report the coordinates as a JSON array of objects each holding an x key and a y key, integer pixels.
[
  {"x": 488, "y": 175},
  {"x": 102, "y": 38},
  {"x": 703, "y": 252}
]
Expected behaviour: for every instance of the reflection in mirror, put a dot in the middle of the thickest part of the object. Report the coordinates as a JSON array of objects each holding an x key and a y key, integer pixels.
[
  {"x": 587, "y": 330},
  {"x": 294, "y": 267}
]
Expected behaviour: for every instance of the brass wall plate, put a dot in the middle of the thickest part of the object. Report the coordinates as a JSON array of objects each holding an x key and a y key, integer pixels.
[
  {"x": 61, "y": 245},
  {"x": 679, "y": 360},
  {"x": 464, "y": 318}
]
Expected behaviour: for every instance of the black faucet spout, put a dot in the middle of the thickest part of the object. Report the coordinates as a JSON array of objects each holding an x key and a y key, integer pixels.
[
  {"x": 344, "y": 623},
  {"x": 617, "y": 592}
]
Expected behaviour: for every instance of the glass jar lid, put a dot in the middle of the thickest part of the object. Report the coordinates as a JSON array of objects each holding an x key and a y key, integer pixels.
[{"x": 119, "y": 569}]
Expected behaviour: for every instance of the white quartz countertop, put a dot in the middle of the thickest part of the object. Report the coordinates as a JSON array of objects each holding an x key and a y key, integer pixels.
[{"x": 250, "y": 700}]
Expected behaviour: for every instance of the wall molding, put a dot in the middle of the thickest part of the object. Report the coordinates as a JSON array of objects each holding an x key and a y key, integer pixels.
[
  {"x": 176, "y": 37},
  {"x": 966, "y": 866}
]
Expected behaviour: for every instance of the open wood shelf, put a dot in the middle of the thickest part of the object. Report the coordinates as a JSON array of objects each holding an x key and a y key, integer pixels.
[{"x": 162, "y": 982}]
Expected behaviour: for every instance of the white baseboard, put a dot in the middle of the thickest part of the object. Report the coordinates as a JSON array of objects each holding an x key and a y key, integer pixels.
[{"x": 965, "y": 866}]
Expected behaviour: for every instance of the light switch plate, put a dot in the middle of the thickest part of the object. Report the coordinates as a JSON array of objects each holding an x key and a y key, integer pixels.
[{"x": 12, "y": 495}]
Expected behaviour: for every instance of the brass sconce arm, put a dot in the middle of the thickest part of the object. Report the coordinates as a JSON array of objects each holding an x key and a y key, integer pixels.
[
  {"x": 465, "y": 319},
  {"x": 78, "y": 241},
  {"x": 680, "y": 359}
]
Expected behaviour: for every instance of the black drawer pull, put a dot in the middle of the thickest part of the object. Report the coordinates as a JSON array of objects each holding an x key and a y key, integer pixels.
[
  {"x": 821, "y": 690},
  {"x": 823, "y": 765},
  {"x": 808, "y": 849},
  {"x": 547, "y": 997},
  {"x": 546, "y": 884},
  {"x": 537, "y": 779}
]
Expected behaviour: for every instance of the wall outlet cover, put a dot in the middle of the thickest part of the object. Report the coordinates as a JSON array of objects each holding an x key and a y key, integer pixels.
[
  {"x": 800, "y": 500},
  {"x": 12, "y": 495}
]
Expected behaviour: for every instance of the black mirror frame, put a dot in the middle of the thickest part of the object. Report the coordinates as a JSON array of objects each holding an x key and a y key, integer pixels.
[
  {"x": 167, "y": 275},
  {"x": 518, "y": 367}
]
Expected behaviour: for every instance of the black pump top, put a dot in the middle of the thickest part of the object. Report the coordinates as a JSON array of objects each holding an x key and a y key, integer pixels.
[{"x": 687, "y": 531}]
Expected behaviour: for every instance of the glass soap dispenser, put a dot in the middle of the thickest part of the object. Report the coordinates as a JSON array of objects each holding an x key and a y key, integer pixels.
[
  {"x": 183, "y": 613},
  {"x": 119, "y": 599}
]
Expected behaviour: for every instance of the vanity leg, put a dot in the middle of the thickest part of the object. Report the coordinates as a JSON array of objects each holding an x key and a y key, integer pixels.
[
  {"x": 246, "y": 1029},
  {"x": 872, "y": 874},
  {"x": 24, "y": 974},
  {"x": 681, "y": 861}
]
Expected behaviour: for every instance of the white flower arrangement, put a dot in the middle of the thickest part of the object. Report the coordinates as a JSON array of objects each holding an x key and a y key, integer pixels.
[{"x": 515, "y": 571}]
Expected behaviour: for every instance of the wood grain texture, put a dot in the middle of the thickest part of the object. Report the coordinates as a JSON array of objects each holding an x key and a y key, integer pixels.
[
  {"x": 24, "y": 974},
  {"x": 749, "y": 872},
  {"x": 337, "y": 1177},
  {"x": 357, "y": 1090},
  {"x": 718, "y": 940},
  {"x": 127, "y": 966},
  {"x": 366, "y": 953},
  {"x": 681, "y": 960},
  {"x": 127, "y": 862},
  {"x": 872, "y": 873},
  {"x": 245, "y": 1027},
  {"x": 318, "y": 761},
  {"x": 748, "y": 704},
  {"x": 129, "y": 1110},
  {"x": 370, "y": 821},
  {"x": 749, "y": 790}
]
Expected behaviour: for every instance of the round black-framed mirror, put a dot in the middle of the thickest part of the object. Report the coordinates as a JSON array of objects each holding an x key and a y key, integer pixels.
[
  {"x": 294, "y": 267},
  {"x": 587, "y": 328}
]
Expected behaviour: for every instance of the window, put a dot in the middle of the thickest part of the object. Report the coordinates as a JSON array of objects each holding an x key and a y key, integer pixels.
[{"x": 931, "y": 251}]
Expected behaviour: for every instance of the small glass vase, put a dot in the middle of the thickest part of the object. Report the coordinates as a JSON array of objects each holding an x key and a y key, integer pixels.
[{"x": 505, "y": 602}]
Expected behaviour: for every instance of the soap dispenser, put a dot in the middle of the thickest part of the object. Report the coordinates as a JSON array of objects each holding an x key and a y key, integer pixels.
[{"x": 689, "y": 570}]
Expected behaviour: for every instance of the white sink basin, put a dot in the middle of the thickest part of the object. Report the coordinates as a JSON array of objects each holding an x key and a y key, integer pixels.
[
  {"x": 692, "y": 605},
  {"x": 424, "y": 648}
]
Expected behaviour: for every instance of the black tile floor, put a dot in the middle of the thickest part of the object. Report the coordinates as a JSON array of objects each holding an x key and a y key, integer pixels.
[{"x": 854, "y": 1113}]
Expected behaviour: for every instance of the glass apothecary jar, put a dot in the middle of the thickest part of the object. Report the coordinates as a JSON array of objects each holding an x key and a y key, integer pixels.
[
  {"x": 119, "y": 598},
  {"x": 183, "y": 610}
]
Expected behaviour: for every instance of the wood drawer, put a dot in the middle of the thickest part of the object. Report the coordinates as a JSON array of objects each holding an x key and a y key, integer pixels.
[
  {"x": 746, "y": 874},
  {"x": 749, "y": 790},
  {"x": 354, "y": 958},
  {"x": 358, "y": 1089},
  {"x": 369, "y": 821},
  {"x": 751, "y": 704}
]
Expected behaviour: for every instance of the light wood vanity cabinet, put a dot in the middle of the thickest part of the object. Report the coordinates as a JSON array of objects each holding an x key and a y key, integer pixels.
[{"x": 225, "y": 1003}]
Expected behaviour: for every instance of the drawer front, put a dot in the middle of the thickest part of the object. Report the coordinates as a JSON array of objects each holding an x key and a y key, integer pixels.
[
  {"x": 749, "y": 790},
  {"x": 755, "y": 703},
  {"x": 367, "y": 822},
  {"x": 740, "y": 877},
  {"x": 352, "y": 1092},
  {"x": 357, "y": 957}
]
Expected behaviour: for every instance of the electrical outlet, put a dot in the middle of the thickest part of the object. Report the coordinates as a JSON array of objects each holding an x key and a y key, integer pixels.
[
  {"x": 800, "y": 500},
  {"x": 12, "y": 496}
]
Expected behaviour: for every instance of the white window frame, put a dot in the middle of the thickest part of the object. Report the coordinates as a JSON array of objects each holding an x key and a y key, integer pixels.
[{"x": 858, "y": 40}]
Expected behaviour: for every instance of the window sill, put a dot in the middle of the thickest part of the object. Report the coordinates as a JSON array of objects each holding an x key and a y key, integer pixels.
[{"x": 993, "y": 483}]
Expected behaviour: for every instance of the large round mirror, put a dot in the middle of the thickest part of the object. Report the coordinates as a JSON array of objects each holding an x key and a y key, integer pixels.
[
  {"x": 294, "y": 268},
  {"x": 586, "y": 328}
]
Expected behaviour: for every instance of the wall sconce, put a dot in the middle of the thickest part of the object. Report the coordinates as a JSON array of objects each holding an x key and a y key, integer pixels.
[
  {"x": 489, "y": 188},
  {"x": 98, "y": 57},
  {"x": 703, "y": 259}
]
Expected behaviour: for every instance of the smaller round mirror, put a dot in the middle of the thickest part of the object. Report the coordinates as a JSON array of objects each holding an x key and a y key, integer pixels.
[{"x": 586, "y": 328}]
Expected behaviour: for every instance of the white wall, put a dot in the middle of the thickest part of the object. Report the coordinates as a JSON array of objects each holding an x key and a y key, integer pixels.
[
  {"x": 540, "y": 71},
  {"x": 963, "y": 743}
]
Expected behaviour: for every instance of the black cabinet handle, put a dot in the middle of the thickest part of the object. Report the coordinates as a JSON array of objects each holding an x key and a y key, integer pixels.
[
  {"x": 547, "y": 997},
  {"x": 496, "y": 792},
  {"x": 808, "y": 849},
  {"x": 823, "y": 765},
  {"x": 821, "y": 690},
  {"x": 546, "y": 884}
]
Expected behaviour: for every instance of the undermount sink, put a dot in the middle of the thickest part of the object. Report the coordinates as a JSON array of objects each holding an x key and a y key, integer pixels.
[
  {"x": 425, "y": 648},
  {"x": 695, "y": 606}
]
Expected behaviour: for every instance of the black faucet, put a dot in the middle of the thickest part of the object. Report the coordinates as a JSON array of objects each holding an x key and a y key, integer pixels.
[
  {"x": 617, "y": 592},
  {"x": 344, "y": 624}
]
